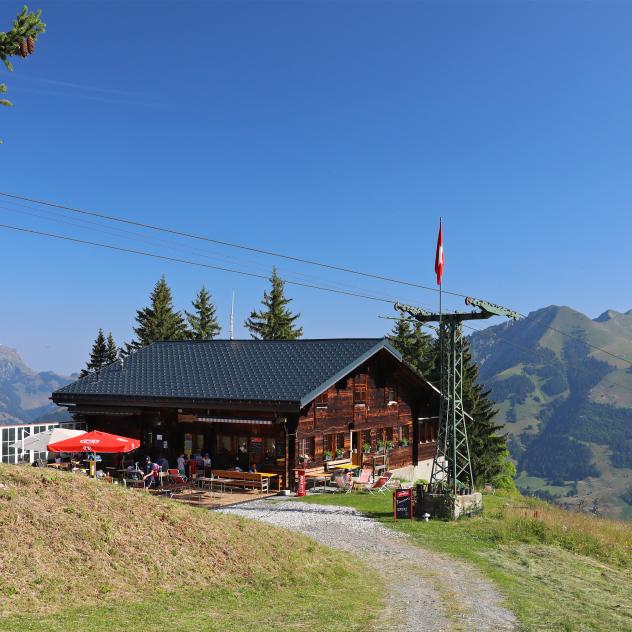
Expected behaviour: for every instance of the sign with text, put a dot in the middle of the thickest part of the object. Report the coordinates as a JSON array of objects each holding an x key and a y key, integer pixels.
[
  {"x": 403, "y": 504},
  {"x": 255, "y": 445}
]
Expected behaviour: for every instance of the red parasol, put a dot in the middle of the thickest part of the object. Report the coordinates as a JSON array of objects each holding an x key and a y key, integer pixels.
[{"x": 95, "y": 441}]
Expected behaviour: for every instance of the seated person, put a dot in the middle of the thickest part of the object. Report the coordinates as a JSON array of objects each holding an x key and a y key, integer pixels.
[
  {"x": 253, "y": 468},
  {"x": 206, "y": 460}
]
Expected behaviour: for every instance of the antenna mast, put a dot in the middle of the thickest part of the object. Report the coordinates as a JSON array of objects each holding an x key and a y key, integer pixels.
[{"x": 232, "y": 317}]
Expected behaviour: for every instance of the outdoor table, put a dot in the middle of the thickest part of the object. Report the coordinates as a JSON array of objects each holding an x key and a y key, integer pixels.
[
  {"x": 318, "y": 479},
  {"x": 271, "y": 475},
  {"x": 345, "y": 466},
  {"x": 204, "y": 480}
]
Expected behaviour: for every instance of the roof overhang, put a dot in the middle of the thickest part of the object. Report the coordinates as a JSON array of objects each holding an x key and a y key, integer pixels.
[{"x": 110, "y": 404}]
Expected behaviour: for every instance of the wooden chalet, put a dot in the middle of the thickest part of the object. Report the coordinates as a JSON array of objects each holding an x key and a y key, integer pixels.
[{"x": 280, "y": 404}]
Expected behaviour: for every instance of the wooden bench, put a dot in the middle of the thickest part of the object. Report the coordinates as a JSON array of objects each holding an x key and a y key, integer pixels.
[{"x": 244, "y": 480}]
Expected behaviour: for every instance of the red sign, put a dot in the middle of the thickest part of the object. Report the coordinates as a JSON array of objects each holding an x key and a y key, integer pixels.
[
  {"x": 403, "y": 504},
  {"x": 301, "y": 490}
]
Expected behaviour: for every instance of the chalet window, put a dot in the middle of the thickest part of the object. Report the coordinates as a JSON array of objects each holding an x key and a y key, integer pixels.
[
  {"x": 340, "y": 441},
  {"x": 366, "y": 439},
  {"x": 390, "y": 394},
  {"x": 427, "y": 431},
  {"x": 360, "y": 389},
  {"x": 329, "y": 441},
  {"x": 307, "y": 447},
  {"x": 360, "y": 412},
  {"x": 321, "y": 400},
  {"x": 403, "y": 433}
]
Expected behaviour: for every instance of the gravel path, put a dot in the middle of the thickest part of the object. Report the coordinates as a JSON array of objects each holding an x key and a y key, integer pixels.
[{"x": 426, "y": 591}]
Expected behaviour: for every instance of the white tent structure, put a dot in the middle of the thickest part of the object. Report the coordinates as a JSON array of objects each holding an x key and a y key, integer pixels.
[{"x": 39, "y": 442}]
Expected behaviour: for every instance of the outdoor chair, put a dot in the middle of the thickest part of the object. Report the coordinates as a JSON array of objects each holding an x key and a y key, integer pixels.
[
  {"x": 342, "y": 484},
  {"x": 364, "y": 478},
  {"x": 176, "y": 480},
  {"x": 381, "y": 485},
  {"x": 175, "y": 475}
]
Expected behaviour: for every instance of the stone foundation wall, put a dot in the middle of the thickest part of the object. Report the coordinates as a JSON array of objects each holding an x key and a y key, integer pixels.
[{"x": 447, "y": 507}]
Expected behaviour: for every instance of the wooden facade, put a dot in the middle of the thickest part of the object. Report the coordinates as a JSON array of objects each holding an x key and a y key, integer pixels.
[
  {"x": 369, "y": 410},
  {"x": 381, "y": 403}
]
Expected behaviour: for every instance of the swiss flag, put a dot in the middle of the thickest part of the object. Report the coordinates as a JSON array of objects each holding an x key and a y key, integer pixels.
[{"x": 439, "y": 257}]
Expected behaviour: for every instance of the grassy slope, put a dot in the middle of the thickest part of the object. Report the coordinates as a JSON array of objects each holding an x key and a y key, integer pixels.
[
  {"x": 77, "y": 552},
  {"x": 558, "y": 570}
]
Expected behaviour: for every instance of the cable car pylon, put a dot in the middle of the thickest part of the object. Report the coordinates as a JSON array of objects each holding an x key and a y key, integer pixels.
[{"x": 452, "y": 465}]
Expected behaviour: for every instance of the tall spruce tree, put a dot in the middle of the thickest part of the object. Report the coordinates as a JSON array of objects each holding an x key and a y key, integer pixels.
[
  {"x": 103, "y": 352},
  {"x": 488, "y": 447},
  {"x": 275, "y": 321},
  {"x": 203, "y": 323},
  {"x": 111, "y": 350},
  {"x": 159, "y": 321},
  {"x": 415, "y": 345}
]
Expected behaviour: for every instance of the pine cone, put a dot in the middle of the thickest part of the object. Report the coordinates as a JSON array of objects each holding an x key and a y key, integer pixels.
[
  {"x": 24, "y": 49},
  {"x": 30, "y": 44}
]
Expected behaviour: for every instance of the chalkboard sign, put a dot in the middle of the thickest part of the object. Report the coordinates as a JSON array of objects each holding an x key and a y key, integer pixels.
[
  {"x": 256, "y": 445},
  {"x": 403, "y": 504}
]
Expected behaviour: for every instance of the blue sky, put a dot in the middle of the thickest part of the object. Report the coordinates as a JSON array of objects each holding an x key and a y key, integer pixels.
[{"x": 329, "y": 130}]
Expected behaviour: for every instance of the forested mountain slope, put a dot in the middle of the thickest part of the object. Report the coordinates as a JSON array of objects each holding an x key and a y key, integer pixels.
[{"x": 566, "y": 406}]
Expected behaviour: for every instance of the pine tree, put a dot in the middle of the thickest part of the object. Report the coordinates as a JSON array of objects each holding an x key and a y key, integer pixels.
[
  {"x": 275, "y": 321},
  {"x": 97, "y": 355},
  {"x": 20, "y": 40},
  {"x": 416, "y": 346},
  {"x": 203, "y": 323},
  {"x": 103, "y": 352},
  {"x": 488, "y": 448},
  {"x": 111, "y": 351},
  {"x": 159, "y": 321}
]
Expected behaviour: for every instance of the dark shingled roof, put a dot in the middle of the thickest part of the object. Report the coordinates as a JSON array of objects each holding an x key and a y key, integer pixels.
[{"x": 246, "y": 370}]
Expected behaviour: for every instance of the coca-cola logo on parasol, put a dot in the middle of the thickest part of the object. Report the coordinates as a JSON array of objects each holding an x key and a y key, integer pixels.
[{"x": 89, "y": 441}]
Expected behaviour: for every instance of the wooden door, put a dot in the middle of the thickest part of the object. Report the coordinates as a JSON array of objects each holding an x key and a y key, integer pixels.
[{"x": 356, "y": 447}]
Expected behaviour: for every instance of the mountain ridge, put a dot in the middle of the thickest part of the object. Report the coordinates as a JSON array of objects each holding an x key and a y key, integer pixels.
[
  {"x": 566, "y": 405},
  {"x": 25, "y": 393}
]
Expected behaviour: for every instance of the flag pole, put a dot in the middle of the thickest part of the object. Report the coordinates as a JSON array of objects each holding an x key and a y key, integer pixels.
[
  {"x": 440, "y": 287},
  {"x": 441, "y": 335}
]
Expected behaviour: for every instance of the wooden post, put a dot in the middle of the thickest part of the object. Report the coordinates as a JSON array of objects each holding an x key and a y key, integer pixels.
[{"x": 287, "y": 457}]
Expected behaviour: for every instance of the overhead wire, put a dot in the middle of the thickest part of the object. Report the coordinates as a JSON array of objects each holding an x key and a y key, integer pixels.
[
  {"x": 142, "y": 237},
  {"x": 190, "y": 262},
  {"x": 229, "y": 244},
  {"x": 271, "y": 253}
]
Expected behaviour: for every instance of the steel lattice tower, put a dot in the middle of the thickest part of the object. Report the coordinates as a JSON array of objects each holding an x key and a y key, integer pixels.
[{"x": 452, "y": 465}]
